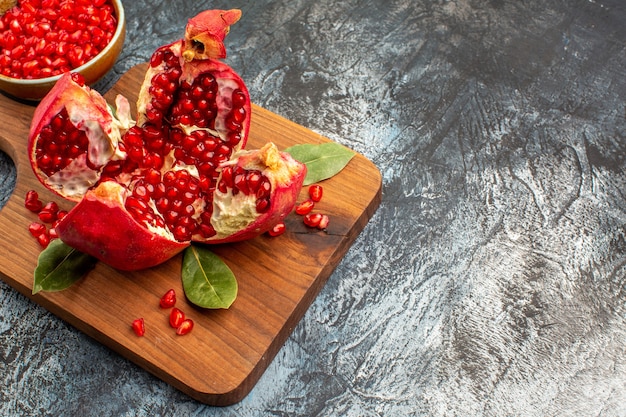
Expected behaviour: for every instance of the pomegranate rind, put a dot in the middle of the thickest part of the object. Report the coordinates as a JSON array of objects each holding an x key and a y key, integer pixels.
[
  {"x": 99, "y": 225},
  {"x": 205, "y": 33},
  {"x": 234, "y": 218},
  {"x": 89, "y": 112}
]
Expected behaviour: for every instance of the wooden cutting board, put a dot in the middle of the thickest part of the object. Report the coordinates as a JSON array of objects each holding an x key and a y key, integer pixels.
[{"x": 228, "y": 350}]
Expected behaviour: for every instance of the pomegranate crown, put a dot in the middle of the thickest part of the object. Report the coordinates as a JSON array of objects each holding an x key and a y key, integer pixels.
[{"x": 205, "y": 33}]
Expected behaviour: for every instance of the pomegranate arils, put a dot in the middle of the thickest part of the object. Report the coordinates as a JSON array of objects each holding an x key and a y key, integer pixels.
[
  {"x": 277, "y": 230},
  {"x": 44, "y": 240},
  {"x": 36, "y": 229},
  {"x": 315, "y": 192},
  {"x": 138, "y": 327},
  {"x": 49, "y": 212},
  {"x": 184, "y": 327},
  {"x": 60, "y": 142},
  {"x": 196, "y": 103},
  {"x": 168, "y": 299},
  {"x": 323, "y": 224},
  {"x": 176, "y": 317},
  {"x": 32, "y": 201},
  {"x": 305, "y": 207},
  {"x": 312, "y": 219},
  {"x": 45, "y": 38}
]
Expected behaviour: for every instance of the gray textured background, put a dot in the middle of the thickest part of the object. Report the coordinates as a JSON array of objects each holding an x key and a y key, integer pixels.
[{"x": 491, "y": 281}]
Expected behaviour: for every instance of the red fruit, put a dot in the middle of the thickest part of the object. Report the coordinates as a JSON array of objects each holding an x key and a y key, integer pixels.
[
  {"x": 305, "y": 207},
  {"x": 168, "y": 300},
  {"x": 44, "y": 240},
  {"x": 34, "y": 205},
  {"x": 176, "y": 317},
  {"x": 49, "y": 212},
  {"x": 277, "y": 230},
  {"x": 312, "y": 219},
  {"x": 323, "y": 224},
  {"x": 61, "y": 214},
  {"x": 138, "y": 326},
  {"x": 73, "y": 134},
  {"x": 315, "y": 192},
  {"x": 101, "y": 226},
  {"x": 179, "y": 174},
  {"x": 32, "y": 201},
  {"x": 36, "y": 229},
  {"x": 184, "y": 327},
  {"x": 241, "y": 211}
]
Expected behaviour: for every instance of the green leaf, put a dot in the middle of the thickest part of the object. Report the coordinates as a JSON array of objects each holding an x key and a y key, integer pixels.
[
  {"x": 208, "y": 282},
  {"x": 59, "y": 266},
  {"x": 322, "y": 161}
]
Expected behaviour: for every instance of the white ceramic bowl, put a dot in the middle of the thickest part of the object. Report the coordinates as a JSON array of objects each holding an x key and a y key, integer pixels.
[{"x": 92, "y": 71}]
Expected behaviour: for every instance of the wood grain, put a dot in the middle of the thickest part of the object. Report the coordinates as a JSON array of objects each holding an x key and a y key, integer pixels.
[{"x": 221, "y": 360}]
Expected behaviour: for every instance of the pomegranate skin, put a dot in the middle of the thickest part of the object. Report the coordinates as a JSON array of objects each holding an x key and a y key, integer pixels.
[
  {"x": 205, "y": 33},
  {"x": 100, "y": 226}
]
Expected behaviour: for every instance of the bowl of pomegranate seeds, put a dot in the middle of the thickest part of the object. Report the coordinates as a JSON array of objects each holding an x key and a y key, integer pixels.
[{"x": 42, "y": 39}]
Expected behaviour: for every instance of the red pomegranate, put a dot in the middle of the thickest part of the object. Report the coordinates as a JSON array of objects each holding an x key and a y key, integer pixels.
[{"x": 145, "y": 190}]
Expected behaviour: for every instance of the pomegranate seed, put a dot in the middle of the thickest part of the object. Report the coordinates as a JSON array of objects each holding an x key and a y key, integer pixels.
[
  {"x": 34, "y": 205},
  {"x": 44, "y": 240},
  {"x": 36, "y": 229},
  {"x": 323, "y": 224},
  {"x": 277, "y": 230},
  {"x": 48, "y": 213},
  {"x": 305, "y": 207},
  {"x": 169, "y": 299},
  {"x": 262, "y": 205},
  {"x": 315, "y": 192},
  {"x": 32, "y": 202},
  {"x": 312, "y": 219},
  {"x": 238, "y": 98},
  {"x": 139, "y": 327},
  {"x": 184, "y": 327},
  {"x": 61, "y": 214},
  {"x": 264, "y": 189},
  {"x": 176, "y": 317}
]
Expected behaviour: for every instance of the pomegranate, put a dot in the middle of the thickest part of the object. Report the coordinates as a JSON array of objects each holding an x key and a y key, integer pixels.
[
  {"x": 73, "y": 134},
  {"x": 146, "y": 190}
]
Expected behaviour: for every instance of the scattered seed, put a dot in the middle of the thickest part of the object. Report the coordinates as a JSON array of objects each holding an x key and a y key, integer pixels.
[{"x": 139, "y": 327}]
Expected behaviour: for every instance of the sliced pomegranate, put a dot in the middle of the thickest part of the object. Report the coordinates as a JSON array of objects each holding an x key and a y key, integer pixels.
[
  {"x": 73, "y": 134},
  {"x": 100, "y": 225},
  {"x": 179, "y": 174},
  {"x": 255, "y": 192}
]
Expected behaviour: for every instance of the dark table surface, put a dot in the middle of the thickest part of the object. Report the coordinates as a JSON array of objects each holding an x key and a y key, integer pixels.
[{"x": 492, "y": 279}]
